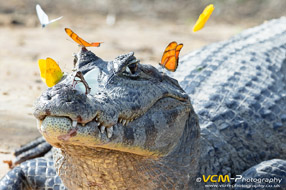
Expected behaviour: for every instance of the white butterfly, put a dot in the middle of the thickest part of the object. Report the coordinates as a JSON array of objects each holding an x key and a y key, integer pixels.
[{"x": 43, "y": 17}]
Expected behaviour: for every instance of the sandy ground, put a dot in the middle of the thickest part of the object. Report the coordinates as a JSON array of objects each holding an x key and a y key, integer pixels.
[{"x": 23, "y": 45}]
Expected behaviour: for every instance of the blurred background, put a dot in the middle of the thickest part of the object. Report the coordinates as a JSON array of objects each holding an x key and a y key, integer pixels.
[{"x": 145, "y": 27}]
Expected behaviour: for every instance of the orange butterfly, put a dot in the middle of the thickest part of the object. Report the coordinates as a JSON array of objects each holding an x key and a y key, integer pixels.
[
  {"x": 170, "y": 56},
  {"x": 80, "y": 41}
]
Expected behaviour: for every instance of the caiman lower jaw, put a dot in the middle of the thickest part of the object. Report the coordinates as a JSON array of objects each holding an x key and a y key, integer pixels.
[{"x": 61, "y": 131}]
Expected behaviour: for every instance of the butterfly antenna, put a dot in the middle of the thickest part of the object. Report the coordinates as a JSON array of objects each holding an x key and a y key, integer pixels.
[{"x": 69, "y": 40}]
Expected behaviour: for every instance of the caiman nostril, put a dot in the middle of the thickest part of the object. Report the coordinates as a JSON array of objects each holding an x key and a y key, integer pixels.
[
  {"x": 79, "y": 118},
  {"x": 49, "y": 97},
  {"x": 48, "y": 112}
]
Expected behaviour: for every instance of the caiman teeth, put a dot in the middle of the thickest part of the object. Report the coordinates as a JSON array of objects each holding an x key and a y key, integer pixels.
[
  {"x": 102, "y": 128},
  {"x": 74, "y": 123},
  {"x": 125, "y": 121},
  {"x": 109, "y": 132},
  {"x": 97, "y": 117}
]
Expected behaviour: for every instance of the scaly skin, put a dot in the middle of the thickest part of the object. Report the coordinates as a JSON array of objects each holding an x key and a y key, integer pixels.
[
  {"x": 151, "y": 138},
  {"x": 238, "y": 89}
]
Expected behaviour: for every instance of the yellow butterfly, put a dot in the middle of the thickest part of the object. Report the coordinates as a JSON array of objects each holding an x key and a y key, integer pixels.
[
  {"x": 203, "y": 18},
  {"x": 51, "y": 73}
]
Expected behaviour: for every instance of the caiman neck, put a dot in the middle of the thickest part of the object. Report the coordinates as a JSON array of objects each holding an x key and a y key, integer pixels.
[{"x": 86, "y": 168}]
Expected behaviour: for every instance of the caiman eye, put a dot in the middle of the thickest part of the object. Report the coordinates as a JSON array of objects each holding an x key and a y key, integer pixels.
[{"x": 131, "y": 68}]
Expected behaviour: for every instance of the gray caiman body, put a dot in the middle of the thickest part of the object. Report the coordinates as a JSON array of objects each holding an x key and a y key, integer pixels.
[{"x": 138, "y": 127}]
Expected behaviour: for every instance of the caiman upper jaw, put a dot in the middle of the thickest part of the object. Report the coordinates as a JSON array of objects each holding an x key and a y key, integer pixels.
[{"x": 63, "y": 97}]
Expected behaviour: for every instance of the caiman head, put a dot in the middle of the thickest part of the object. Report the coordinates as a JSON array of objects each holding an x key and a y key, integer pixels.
[{"x": 119, "y": 124}]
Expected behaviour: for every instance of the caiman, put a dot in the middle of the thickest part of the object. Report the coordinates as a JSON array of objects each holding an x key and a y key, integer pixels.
[{"x": 126, "y": 125}]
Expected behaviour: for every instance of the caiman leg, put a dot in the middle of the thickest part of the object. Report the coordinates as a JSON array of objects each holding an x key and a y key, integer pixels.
[
  {"x": 37, "y": 148},
  {"x": 38, "y": 173}
]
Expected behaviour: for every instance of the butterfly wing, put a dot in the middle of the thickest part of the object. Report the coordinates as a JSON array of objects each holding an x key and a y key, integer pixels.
[
  {"x": 76, "y": 38},
  {"x": 178, "y": 49},
  {"x": 95, "y": 44},
  {"x": 168, "y": 52},
  {"x": 172, "y": 64},
  {"x": 79, "y": 40},
  {"x": 54, "y": 20},
  {"x": 203, "y": 18},
  {"x": 42, "y": 66},
  {"x": 43, "y": 17},
  {"x": 51, "y": 73},
  {"x": 170, "y": 56}
]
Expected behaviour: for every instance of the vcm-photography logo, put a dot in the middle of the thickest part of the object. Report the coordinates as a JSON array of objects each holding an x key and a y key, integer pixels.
[
  {"x": 237, "y": 178},
  {"x": 218, "y": 178}
]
